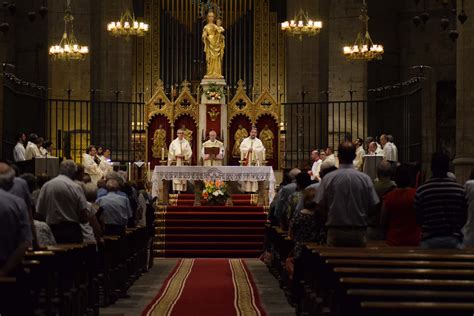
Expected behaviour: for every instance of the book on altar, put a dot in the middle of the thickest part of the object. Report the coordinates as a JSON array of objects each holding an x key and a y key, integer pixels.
[{"x": 212, "y": 151}]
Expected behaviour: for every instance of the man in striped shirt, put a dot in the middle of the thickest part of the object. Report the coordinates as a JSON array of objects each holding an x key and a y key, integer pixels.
[{"x": 441, "y": 207}]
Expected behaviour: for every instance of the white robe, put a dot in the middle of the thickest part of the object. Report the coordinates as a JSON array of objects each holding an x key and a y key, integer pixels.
[
  {"x": 315, "y": 169},
  {"x": 32, "y": 151},
  {"x": 359, "y": 160},
  {"x": 390, "y": 152},
  {"x": 255, "y": 158},
  {"x": 91, "y": 168},
  {"x": 179, "y": 148},
  {"x": 105, "y": 165},
  {"x": 217, "y": 160}
]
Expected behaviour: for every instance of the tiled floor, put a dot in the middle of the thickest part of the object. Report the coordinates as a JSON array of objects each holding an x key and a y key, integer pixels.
[{"x": 146, "y": 288}]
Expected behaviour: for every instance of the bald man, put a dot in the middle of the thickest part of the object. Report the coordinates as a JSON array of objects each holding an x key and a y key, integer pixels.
[{"x": 212, "y": 160}]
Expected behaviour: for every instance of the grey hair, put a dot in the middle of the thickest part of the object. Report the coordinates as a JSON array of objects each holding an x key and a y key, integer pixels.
[
  {"x": 390, "y": 138},
  {"x": 68, "y": 168},
  {"x": 115, "y": 175},
  {"x": 6, "y": 178},
  {"x": 90, "y": 191},
  {"x": 112, "y": 185}
]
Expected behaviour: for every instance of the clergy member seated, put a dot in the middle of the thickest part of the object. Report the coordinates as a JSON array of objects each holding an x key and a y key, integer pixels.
[
  {"x": 252, "y": 154},
  {"x": 179, "y": 154},
  {"x": 212, "y": 151}
]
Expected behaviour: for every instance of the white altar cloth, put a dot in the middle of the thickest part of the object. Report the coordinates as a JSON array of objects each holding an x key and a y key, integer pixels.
[{"x": 223, "y": 173}]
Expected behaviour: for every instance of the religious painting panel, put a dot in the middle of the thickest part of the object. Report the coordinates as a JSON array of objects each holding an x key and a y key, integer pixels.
[
  {"x": 159, "y": 138},
  {"x": 187, "y": 123},
  {"x": 268, "y": 133},
  {"x": 238, "y": 130}
]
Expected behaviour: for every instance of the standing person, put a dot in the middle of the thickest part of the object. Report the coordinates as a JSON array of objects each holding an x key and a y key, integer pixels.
[
  {"x": 441, "y": 207},
  {"x": 179, "y": 154},
  {"x": 15, "y": 226},
  {"x": 389, "y": 151},
  {"x": 360, "y": 152},
  {"x": 19, "y": 151},
  {"x": 32, "y": 150},
  {"x": 468, "y": 229},
  {"x": 213, "y": 160},
  {"x": 317, "y": 161},
  {"x": 62, "y": 204},
  {"x": 251, "y": 153},
  {"x": 382, "y": 186},
  {"x": 330, "y": 156},
  {"x": 398, "y": 218},
  {"x": 105, "y": 164},
  {"x": 346, "y": 195},
  {"x": 91, "y": 164},
  {"x": 116, "y": 209}
]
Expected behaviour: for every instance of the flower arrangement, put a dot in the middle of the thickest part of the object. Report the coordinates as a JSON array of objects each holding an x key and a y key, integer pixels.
[
  {"x": 215, "y": 192},
  {"x": 214, "y": 92}
]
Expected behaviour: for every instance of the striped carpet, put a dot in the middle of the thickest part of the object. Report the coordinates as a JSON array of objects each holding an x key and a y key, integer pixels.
[{"x": 207, "y": 287}]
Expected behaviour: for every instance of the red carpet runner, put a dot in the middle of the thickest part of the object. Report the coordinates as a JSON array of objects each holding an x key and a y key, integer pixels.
[
  {"x": 207, "y": 287},
  {"x": 186, "y": 231}
]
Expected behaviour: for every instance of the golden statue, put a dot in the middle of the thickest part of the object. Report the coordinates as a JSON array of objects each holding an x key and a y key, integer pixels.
[
  {"x": 240, "y": 134},
  {"x": 159, "y": 142},
  {"x": 188, "y": 134},
  {"x": 214, "y": 44},
  {"x": 267, "y": 137}
]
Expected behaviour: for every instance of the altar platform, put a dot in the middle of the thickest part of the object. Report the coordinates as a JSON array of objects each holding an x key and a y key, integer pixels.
[{"x": 187, "y": 231}]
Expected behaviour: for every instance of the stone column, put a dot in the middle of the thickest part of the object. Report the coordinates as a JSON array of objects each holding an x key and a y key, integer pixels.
[{"x": 464, "y": 160}]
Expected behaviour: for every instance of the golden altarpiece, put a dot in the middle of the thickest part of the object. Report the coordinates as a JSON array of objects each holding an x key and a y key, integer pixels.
[{"x": 223, "y": 102}]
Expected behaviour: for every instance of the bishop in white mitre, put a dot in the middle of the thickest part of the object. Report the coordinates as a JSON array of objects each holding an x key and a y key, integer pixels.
[
  {"x": 179, "y": 153},
  {"x": 252, "y": 152},
  {"x": 208, "y": 159}
]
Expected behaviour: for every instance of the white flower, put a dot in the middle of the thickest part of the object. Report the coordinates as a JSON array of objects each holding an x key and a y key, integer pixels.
[{"x": 216, "y": 193}]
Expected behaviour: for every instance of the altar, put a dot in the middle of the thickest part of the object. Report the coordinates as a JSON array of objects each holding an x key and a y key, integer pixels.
[{"x": 260, "y": 174}]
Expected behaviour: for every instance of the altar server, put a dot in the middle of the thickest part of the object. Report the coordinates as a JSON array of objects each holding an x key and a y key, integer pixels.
[
  {"x": 211, "y": 159},
  {"x": 179, "y": 154},
  {"x": 252, "y": 153}
]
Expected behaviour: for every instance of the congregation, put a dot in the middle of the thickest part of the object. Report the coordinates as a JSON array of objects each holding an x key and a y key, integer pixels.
[
  {"x": 335, "y": 204},
  {"x": 80, "y": 205}
]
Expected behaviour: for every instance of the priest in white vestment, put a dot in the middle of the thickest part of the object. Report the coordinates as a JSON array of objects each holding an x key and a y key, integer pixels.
[
  {"x": 360, "y": 153},
  {"x": 315, "y": 168},
  {"x": 179, "y": 153},
  {"x": 252, "y": 153},
  {"x": 209, "y": 159},
  {"x": 32, "y": 150},
  {"x": 390, "y": 152},
  {"x": 91, "y": 164}
]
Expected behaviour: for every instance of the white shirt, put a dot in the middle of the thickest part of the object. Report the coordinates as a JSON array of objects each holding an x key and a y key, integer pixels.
[
  {"x": 257, "y": 149},
  {"x": 390, "y": 152},
  {"x": 32, "y": 151},
  {"x": 19, "y": 152},
  {"x": 315, "y": 169},
  {"x": 179, "y": 148}
]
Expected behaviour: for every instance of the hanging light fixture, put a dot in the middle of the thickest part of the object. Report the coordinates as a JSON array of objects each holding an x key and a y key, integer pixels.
[
  {"x": 364, "y": 48},
  {"x": 301, "y": 25},
  {"x": 127, "y": 26},
  {"x": 68, "y": 48}
]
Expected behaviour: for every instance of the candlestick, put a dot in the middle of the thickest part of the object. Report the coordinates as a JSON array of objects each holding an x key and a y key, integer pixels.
[
  {"x": 162, "y": 154},
  {"x": 129, "y": 171},
  {"x": 264, "y": 156},
  {"x": 149, "y": 172}
]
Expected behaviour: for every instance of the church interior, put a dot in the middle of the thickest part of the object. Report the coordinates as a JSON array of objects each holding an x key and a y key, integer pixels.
[{"x": 236, "y": 157}]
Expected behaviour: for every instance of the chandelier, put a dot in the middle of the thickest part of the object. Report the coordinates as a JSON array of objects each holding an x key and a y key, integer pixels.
[
  {"x": 301, "y": 25},
  {"x": 68, "y": 48},
  {"x": 127, "y": 26},
  {"x": 364, "y": 48}
]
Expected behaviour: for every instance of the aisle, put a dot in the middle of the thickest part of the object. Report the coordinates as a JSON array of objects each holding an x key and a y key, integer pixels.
[
  {"x": 208, "y": 287},
  {"x": 143, "y": 292}
]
